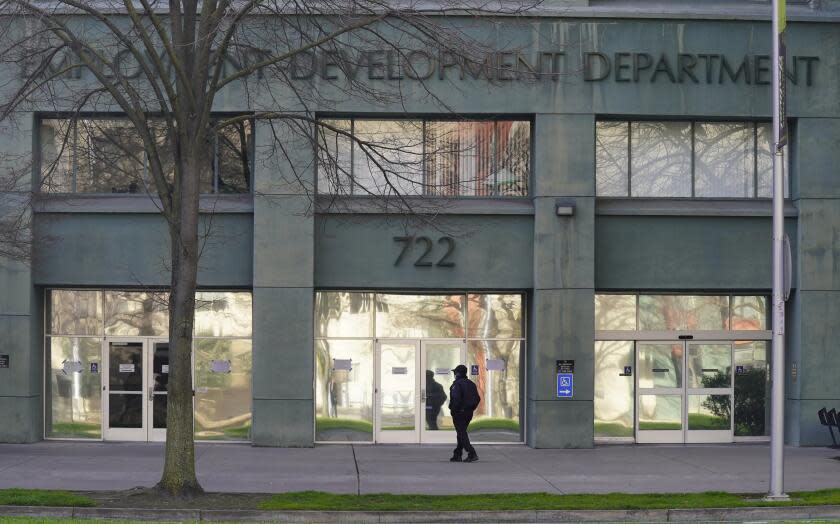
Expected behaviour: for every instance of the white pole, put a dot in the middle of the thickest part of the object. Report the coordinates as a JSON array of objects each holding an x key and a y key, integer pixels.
[{"x": 777, "y": 402}]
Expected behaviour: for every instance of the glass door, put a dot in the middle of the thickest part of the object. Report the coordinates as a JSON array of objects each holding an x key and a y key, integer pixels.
[
  {"x": 124, "y": 390},
  {"x": 438, "y": 358},
  {"x": 397, "y": 418},
  {"x": 158, "y": 365},
  {"x": 709, "y": 392},
  {"x": 659, "y": 392}
]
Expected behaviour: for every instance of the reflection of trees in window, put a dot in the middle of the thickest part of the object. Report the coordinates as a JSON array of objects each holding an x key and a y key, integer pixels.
[
  {"x": 683, "y": 312},
  {"x": 749, "y": 313},
  {"x": 615, "y": 312},
  {"x": 660, "y": 159},
  {"x": 611, "y": 157},
  {"x": 723, "y": 161},
  {"x": 136, "y": 313}
]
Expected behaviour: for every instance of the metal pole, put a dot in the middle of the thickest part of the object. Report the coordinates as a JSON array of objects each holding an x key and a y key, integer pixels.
[{"x": 777, "y": 438}]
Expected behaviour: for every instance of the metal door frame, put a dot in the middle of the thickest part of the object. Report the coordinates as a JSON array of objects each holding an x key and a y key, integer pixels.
[
  {"x": 154, "y": 434},
  {"x": 427, "y": 436},
  {"x": 710, "y": 436},
  {"x": 659, "y": 436},
  {"x": 395, "y": 436},
  {"x": 123, "y": 434}
]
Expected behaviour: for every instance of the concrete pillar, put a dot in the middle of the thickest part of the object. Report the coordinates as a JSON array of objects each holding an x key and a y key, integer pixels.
[
  {"x": 283, "y": 288},
  {"x": 812, "y": 324},
  {"x": 562, "y": 308}
]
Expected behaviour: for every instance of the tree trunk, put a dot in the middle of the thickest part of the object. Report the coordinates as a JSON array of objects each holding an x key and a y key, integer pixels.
[{"x": 179, "y": 476}]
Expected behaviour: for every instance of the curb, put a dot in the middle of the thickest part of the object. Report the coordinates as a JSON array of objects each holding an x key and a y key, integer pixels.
[{"x": 397, "y": 517}]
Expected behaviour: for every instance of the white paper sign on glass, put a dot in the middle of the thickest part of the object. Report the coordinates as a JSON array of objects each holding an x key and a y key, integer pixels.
[
  {"x": 71, "y": 366},
  {"x": 442, "y": 371},
  {"x": 164, "y": 368},
  {"x": 399, "y": 371},
  {"x": 126, "y": 368},
  {"x": 494, "y": 364},
  {"x": 342, "y": 364},
  {"x": 220, "y": 366}
]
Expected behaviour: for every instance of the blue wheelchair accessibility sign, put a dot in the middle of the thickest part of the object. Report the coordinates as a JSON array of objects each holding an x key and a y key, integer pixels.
[{"x": 565, "y": 385}]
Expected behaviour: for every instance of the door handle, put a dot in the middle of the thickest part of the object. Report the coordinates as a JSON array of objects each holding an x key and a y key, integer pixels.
[
  {"x": 423, "y": 395},
  {"x": 151, "y": 393}
]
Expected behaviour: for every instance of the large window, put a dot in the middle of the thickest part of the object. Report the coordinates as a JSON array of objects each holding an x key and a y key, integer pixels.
[
  {"x": 106, "y": 155},
  {"x": 348, "y": 325},
  {"x": 677, "y": 159},
  {"x": 78, "y": 320},
  {"x": 424, "y": 157}
]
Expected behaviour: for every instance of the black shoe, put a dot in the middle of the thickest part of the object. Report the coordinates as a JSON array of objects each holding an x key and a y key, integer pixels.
[
  {"x": 456, "y": 458},
  {"x": 472, "y": 457}
]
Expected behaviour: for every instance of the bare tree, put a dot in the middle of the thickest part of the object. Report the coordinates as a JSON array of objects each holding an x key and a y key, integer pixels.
[{"x": 164, "y": 66}]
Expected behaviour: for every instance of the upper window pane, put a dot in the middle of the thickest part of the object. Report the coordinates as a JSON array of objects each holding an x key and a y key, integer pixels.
[
  {"x": 660, "y": 159},
  {"x": 494, "y": 316},
  {"x": 749, "y": 313},
  {"x": 460, "y": 158},
  {"x": 129, "y": 313},
  {"x": 615, "y": 312},
  {"x": 514, "y": 158},
  {"x": 683, "y": 312},
  {"x": 340, "y": 314},
  {"x": 388, "y": 157},
  {"x": 611, "y": 159},
  {"x": 235, "y": 143},
  {"x": 334, "y": 157},
  {"x": 222, "y": 314},
  {"x": 764, "y": 162},
  {"x": 724, "y": 162},
  {"x": 57, "y": 138},
  {"x": 109, "y": 157},
  {"x": 75, "y": 312},
  {"x": 420, "y": 316}
]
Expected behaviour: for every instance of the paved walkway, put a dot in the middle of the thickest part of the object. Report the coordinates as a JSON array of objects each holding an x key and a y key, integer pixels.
[{"x": 416, "y": 469}]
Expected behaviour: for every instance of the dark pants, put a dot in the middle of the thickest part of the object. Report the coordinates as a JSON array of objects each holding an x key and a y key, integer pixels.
[
  {"x": 461, "y": 422},
  {"x": 431, "y": 417}
]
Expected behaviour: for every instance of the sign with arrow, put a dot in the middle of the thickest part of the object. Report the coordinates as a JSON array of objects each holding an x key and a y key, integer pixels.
[{"x": 565, "y": 385}]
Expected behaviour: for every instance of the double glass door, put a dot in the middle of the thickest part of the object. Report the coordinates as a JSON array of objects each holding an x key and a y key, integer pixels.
[
  {"x": 137, "y": 372},
  {"x": 684, "y": 392},
  {"x": 412, "y": 390}
]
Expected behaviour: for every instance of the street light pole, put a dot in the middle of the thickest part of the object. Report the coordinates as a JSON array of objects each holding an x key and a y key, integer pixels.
[{"x": 777, "y": 403}]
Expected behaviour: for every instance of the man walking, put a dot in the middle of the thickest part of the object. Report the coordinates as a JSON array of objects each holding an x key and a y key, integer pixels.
[{"x": 463, "y": 399}]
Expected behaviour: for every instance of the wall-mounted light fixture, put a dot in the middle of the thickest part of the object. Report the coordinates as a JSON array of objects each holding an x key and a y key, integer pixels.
[{"x": 565, "y": 210}]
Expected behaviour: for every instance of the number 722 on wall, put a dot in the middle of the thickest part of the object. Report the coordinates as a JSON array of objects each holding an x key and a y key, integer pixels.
[{"x": 428, "y": 247}]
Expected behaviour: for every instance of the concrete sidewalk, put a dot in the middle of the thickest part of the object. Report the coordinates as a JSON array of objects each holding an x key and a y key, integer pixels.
[{"x": 416, "y": 469}]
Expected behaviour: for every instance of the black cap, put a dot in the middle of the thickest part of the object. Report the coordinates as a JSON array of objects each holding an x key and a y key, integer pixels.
[{"x": 460, "y": 369}]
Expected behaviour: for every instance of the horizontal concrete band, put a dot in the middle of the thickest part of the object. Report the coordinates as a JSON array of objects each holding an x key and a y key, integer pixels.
[{"x": 660, "y": 515}]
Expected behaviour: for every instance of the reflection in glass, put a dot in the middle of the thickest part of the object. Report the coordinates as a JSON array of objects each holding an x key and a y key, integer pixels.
[
  {"x": 749, "y": 313},
  {"x": 136, "y": 314},
  {"x": 388, "y": 157},
  {"x": 334, "y": 157},
  {"x": 611, "y": 159},
  {"x": 344, "y": 397},
  {"x": 459, "y": 158},
  {"x": 683, "y": 312},
  {"x": 109, "y": 157},
  {"x": 764, "y": 162},
  {"x": 614, "y": 396},
  {"x": 160, "y": 381},
  {"x": 223, "y": 314},
  {"x": 125, "y": 366},
  {"x": 615, "y": 312},
  {"x": 660, "y": 159},
  {"x": 494, "y": 316},
  {"x": 57, "y": 143},
  {"x": 660, "y": 365},
  {"x": 235, "y": 143},
  {"x": 125, "y": 410},
  {"x": 420, "y": 316},
  {"x": 339, "y": 314},
  {"x": 660, "y": 412},
  {"x": 74, "y": 391},
  {"x": 709, "y": 412},
  {"x": 441, "y": 358},
  {"x": 513, "y": 157},
  {"x": 497, "y": 418},
  {"x": 75, "y": 312},
  {"x": 223, "y": 392},
  {"x": 159, "y": 411},
  {"x": 723, "y": 160},
  {"x": 752, "y": 389},
  {"x": 709, "y": 366},
  {"x": 397, "y": 380}
]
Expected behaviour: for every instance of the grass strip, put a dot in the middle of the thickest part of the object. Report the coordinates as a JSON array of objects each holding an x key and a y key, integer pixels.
[
  {"x": 42, "y": 497},
  {"x": 316, "y": 500}
]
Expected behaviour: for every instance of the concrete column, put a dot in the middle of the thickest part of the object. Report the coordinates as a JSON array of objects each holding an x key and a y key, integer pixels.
[
  {"x": 20, "y": 335},
  {"x": 562, "y": 308},
  {"x": 283, "y": 288},
  {"x": 812, "y": 324}
]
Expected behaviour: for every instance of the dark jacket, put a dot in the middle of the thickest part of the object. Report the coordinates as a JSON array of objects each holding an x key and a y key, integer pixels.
[{"x": 463, "y": 396}]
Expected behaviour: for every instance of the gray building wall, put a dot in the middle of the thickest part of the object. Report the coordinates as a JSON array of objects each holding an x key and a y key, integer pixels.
[{"x": 282, "y": 249}]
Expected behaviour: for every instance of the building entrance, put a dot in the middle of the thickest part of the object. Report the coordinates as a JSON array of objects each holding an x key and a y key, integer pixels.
[
  {"x": 684, "y": 392},
  {"x": 412, "y": 390},
  {"x": 134, "y": 393}
]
